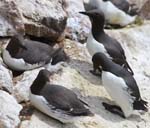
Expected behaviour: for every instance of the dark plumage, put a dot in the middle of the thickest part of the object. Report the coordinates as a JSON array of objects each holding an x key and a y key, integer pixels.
[
  {"x": 33, "y": 53},
  {"x": 99, "y": 41},
  {"x": 130, "y": 86},
  {"x": 58, "y": 98},
  {"x": 125, "y": 6},
  {"x": 60, "y": 56}
]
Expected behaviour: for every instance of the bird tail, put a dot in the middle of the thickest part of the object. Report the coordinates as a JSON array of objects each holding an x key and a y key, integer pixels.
[
  {"x": 140, "y": 105},
  {"x": 127, "y": 66},
  {"x": 124, "y": 64}
]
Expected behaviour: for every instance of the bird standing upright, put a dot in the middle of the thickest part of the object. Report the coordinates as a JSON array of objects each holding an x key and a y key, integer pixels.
[
  {"x": 99, "y": 41},
  {"x": 121, "y": 86}
]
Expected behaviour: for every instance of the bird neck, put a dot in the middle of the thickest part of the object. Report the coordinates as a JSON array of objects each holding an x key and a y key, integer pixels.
[
  {"x": 97, "y": 30},
  {"x": 13, "y": 48},
  {"x": 14, "y": 45},
  {"x": 37, "y": 86}
]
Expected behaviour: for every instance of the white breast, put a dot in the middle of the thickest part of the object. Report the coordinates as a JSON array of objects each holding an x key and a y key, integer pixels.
[
  {"x": 18, "y": 64},
  {"x": 41, "y": 104},
  {"x": 112, "y": 14},
  {"x": 93, "y": 46},
  {"x": 117, "y": 89}
]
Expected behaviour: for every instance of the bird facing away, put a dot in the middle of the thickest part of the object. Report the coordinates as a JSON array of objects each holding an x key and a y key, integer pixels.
[
  {"x": 112, "y": 13},
  {"x": 22, "y": 54},
  {"x": 99, "y": 41},
  {"x": 121, "y": 86},
  {"x": 56, "y": 101}
]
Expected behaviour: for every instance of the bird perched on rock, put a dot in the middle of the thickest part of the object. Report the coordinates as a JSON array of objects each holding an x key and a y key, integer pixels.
[
  {"x": 22, "y": 54},
  {"x": 125, "y": 6},
  {"x": 56, "y": 101},
  {"x": 99, "y": 41},
  {"x": 113, "y": 14},
  {"x": 121, "y": 86}
]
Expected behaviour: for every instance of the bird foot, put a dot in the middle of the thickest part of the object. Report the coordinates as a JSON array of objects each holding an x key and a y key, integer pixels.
[
  {"x": 113, "y": 109},
  {"x": 95, "y": 73}
]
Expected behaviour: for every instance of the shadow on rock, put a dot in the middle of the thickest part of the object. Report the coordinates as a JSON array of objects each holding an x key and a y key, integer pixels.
[
  {"x": 95, "y": 104},
  {"x": 83, "y": 68}
]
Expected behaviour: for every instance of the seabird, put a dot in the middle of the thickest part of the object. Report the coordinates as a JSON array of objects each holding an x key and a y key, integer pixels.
[
  {"x": 99, "y": 41},
  {"x": 23, "y": 54},
  {"x": 121, "y": 86},
  {"x": 125, "y": 6},
  {"x": 113, "y": 14},
  {"x": 56, "y": 101}
]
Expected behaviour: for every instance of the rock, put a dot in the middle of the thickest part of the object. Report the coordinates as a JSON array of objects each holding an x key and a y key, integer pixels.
[
  {"x": 9, "y": 112},
  {"x": 139, "y": 3},
  {"x": 38, "y": 120},
  {"x": 33, "y": 17},
  {"x": 78, "y": 26},
  {"x": 21, "y": 90},
  {"x": 6, "y": 79},
  {"x": 10, "y": 18},
  {"x": 144, "y": 12}
]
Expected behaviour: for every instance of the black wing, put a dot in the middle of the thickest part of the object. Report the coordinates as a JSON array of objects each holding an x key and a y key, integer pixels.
[
  {"x": 64, "y": 99},
  {"x": 112, "y": 46},
  {"x": 36, "y": 52},
  {"x": 129, "y": 80}
]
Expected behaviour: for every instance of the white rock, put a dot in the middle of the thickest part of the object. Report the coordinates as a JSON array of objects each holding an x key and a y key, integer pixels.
[
  {"x": 78, "y": 26},
  {"x": 6, "y": 78},
  {"x": 9, "y": 111},
  {"x": 27, "y": 17},
  {"x": 21, "y": 90},
  {"x": 38, "y": 120}
]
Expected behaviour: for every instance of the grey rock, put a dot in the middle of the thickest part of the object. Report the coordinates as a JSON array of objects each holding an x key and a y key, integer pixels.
[
  {"x": 38, "y": 120},
  {"x": 6, "y": 82},
  {"x": 78, "y": 26},
  {"x": 9, "y": 112},
  {"x": 139, "y": 3},
  {"x": 46, "y": 19},
  {"x": 21, "y": 89},
  {"x": 144, "y": 12}
]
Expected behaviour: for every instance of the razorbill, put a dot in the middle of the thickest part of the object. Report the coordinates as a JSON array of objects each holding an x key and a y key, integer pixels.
[
  {"x": 56, "y": 101},
  {"x": 22, "y": 54},
  {"x": 99, "y": 41},
  {"x": 113, "y": 14},
  {"x": 121, "y": 86}
]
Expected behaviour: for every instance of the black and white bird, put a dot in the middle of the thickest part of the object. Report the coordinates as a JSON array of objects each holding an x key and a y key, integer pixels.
[
  {"x": 99, "y": 41},
  {"x": 125, "y": 6},
  {"x": 112, "y": 13},
  {"x": 23, "y": 54},
  {"x": 121, "y": 86},
  {"x": 56, "y": 101}
]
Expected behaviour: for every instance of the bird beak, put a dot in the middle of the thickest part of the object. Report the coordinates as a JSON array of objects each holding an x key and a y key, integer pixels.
[{"x": 85, "y": 13}]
